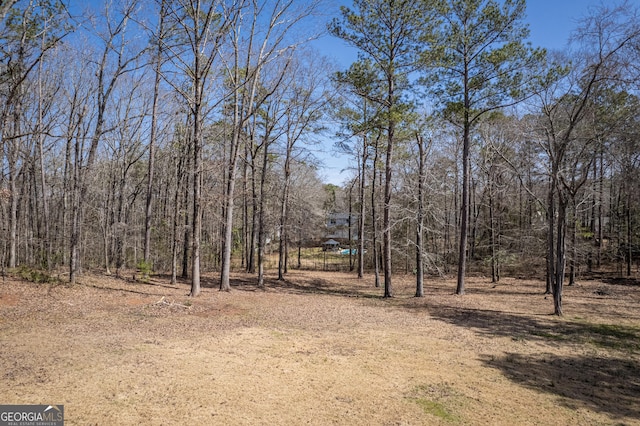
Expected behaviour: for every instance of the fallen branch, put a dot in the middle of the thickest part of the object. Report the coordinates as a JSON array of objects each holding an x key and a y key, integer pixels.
[{"x": 164, "y": 302}]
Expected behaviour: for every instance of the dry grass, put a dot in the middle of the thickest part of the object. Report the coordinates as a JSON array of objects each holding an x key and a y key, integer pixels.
[{"x": 320, "y": 349}]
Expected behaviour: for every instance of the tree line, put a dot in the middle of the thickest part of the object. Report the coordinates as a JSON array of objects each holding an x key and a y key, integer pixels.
[
  {"x": 490, "y": 149},
  {"x": 177, "y": 135}
]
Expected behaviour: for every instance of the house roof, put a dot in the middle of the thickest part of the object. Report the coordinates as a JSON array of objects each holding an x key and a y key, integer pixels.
[{"x": 331, "y": 242}]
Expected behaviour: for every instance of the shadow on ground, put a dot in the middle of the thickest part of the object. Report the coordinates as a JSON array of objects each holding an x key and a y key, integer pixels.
[
  {"x": 545, "y": 328},
  {"x": 610, "y": 385},
  {"x": 622, "y": 281},
  {"x": 310, "y": 286}
]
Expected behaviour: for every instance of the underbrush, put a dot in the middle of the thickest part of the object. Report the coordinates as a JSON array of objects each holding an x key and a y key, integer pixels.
[{"x": 37, "y": 276}]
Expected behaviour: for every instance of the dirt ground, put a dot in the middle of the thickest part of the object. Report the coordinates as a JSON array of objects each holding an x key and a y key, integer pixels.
[{"x": 322, "y": 349}]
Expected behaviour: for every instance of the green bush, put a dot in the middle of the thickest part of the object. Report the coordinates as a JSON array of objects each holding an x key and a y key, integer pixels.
[
  {"x": 144, "y": 270},
  {"x": 35, "y": 275}
]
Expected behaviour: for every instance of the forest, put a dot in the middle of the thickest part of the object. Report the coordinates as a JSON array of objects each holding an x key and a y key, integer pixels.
[{"x": 184, "y": 137}]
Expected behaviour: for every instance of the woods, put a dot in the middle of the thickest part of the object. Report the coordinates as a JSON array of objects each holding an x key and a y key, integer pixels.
[{"x": 186, "y": 137}]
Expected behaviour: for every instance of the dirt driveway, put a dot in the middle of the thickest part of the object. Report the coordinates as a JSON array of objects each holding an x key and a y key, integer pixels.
[{"x": 322, "y": 349}]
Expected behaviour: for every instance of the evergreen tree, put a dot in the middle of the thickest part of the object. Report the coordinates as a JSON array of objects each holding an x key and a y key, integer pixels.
[{"x": 477, "y": 61}]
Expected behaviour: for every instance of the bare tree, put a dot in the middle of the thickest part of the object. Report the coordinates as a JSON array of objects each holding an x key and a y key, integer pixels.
[
  {"x": 115, "y": 60},
  {"x": 157, "y": 58},
  {"x": 34, "y": 29},
  {"x": 565, "y": 104},
  {"x": 306, "y": 98},
  {"x": 203, "y": 25},
  {"x": 266, "y": 41}
]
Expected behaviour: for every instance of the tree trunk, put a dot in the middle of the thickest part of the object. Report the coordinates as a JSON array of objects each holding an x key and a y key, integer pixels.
[
  {"x": 574, "y": 248},
  {"x": 282, "y": 255},
  {"x": 629, "y": 254},
  {"x": 106, "y": 243},
  {"x": 120, "y": 229},
  {"x": 299, "y": 247},
  {"x": 560, "y": 261},
  {"x": 175, "y": 226},
  {"x": 363, "y": 176},
  {"x": 196, "y": 225},
  {"x": 420, "y": 221},
  {"x": 13, "y": 203},
  {"x": 225, "y": 276},
  {"x": 75, "y": 215},
  {"x": 550, "y": 238},
  {"x": 492, "y": 226},
  {"x": 48, "y": 251},
  {"x": 464, "y": 209},
  {"x": 350, "y": 229},
  {"x": 286, "y": 254},
  {"x": 251, "y": 261},
  {"x": 186, "y": 238},
  {"x": 238, "y": 124},
  {"x": 261, "y": 219},
  {"x": 386, "y": 216},
  {"x": 246, "y": 233},
  {"x": 600, "y": 215},
  {"x": 152, "y": 140},
  {"x": 374, "y": 216},
  {"x": 474, "y": 212}
]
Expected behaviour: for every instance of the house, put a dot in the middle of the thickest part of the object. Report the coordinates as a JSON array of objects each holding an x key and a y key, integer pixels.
[{"x": 338, "y": 224}]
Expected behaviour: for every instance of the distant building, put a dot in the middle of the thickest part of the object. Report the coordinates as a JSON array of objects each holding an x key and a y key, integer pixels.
[{"x": 337, "y": 226}]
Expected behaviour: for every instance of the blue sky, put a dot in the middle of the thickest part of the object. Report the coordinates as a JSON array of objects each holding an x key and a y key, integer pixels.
[{"x": 550, "y": 23}]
